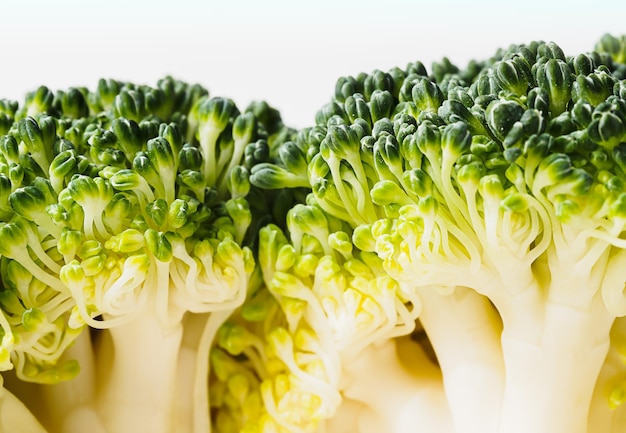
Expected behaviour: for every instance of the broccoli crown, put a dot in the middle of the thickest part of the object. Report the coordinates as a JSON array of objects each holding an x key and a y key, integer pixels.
[
  {"x": 506, "y": 177},
  {"x": 287, "y": 254},
  {"x": 322, "y": 302},
  {"x": 510, "y": 156},
  {"x": 119, "y": 200}
]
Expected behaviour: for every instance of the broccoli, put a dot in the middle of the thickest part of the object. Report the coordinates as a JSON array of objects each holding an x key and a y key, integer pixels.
[
  {"x": 495, "y": 196},
  {"x": 125, "y": 211},
  {"x": 441, "y": 251}
]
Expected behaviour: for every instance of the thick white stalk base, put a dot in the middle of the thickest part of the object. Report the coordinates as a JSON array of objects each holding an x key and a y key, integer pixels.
[
  {"x": 392, "y": 398},
  {"x": 137, "y": 392},
  {"x": 550, "y": 382},
  {"x": 15, "y": 417},
  {"x": 464, "y": 330},
  {"x": 70, "y": 406}
]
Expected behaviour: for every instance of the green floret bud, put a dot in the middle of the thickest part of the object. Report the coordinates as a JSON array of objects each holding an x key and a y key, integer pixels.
[
  {"x": 244, "y": 128},
  {"x": 118, "y": 211},
  {"x": 378, "y": 80},
  {"x": 143, "y": 166},
  {"x": 502, "y": 115},
  {"x": 382, "y": 127},
  {"x": 341, "y": 242},
  {"x": 267, "y": 116},
  {"x": 550, "y": 50},
  {"x": 286, "y": 258},
  {"x": 309, "y": 220},
  {"x": 342, "y": 141},
  {"x": 469, "y": 174},
  {"x": 157, "y": 211},
  {"x": 13, "y": 240},
  {"x": 235, "y": 338},
  {"x": 104, "y": 96},
  {"x": 37, "y": 102},
  {"x": 158, "y": 245},
  {"x": 238, "y": 182},
  {"x": 171, "y": 132},
  {"x": 72, "y": 103},
  {"x": 381, "y": 105},
  {"x": 582, "y": 64},
  {"x": 514, "y": 75},
  {"x": 618, "y": 207},
  {"x": 538, "y": 99},
  {"x": 189, "y": 158},
  {"x": 38, "y": 137},
  {"x": 593, "y": 88},
  {"x": 363, "y": 238},
  {"x": 33, "y": 320},
  {"x": 9, "y": 149},
  {"x": 619, "y": 156},
  {"x": 387, "y": 192},
  {"x": 127, "y": 180},
  {"x": 615, "y": 47},
  {"x": 61, "y": 168},
  {"x": 558, "y": 176},
  {"x": 209, "y": 120},
  {"x": 582, "y": 113},
  {"x": 417, "y": 182},
  {"x": 213, "y": 114},
  {"x": 128, "y": 241},
  {"x": 331, "y": 113},
  {"x": 89, "y": 248},
  {"x": 271, "y": 176},
  {"x": 619, "y": 89},
  {"x": 388, "y": 161},
  {"x": 514, "y": 203},
  {"x": 458, "y": 93},
  {"x": 428, "y": 139},
  {"x": 33, "y": 202},
  {"x": 84, "y": 190},
  {"x": 5, "y": 190},
  {"x": 426, "y": 95},
  {"x": 293, "y": 158},
  {"x": 239, "y": 210},
  {"x": 129, "y": 137},
  {"x": 346, "y": 87},
  {"x": 256, "y": 153},
  {"x": 356, "y": 107},
  {"x": 103, "y": 150},
  {"x": 130, "y": 104},
  {"x": 8, "y": 107},
  {"x": 456, "y": 139},
  {"x": 161, "y": 154},
  {"x": 555, "y": 77},
  {"x": 490, "y": 187},
  {"x": 69, "y": 243},
  {"x": 608, "y": 125}
]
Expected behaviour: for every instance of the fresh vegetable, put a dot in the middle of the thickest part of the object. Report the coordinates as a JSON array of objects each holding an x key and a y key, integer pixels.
[{"x": 439, "y": 251}]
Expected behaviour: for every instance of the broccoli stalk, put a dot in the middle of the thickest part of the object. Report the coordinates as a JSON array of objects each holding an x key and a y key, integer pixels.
[
  {"x": 416, "y": 396},
  {"x": 15, "y": 416},
  {"x": 122, "y": 227}
]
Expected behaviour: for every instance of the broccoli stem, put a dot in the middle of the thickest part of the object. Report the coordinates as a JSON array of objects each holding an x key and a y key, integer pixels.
[
  {"x": 399, "y": 387},
  {"x": 192, "y": 391},
  {"x": 69, "y": 406},
  {"x": 137, "y": 391},
  {"x": 550, "y": 381},
  {"x": 14, "y": 415},
  {"x": 604, "y": 416},
  {"x": 464, "y": 330}
]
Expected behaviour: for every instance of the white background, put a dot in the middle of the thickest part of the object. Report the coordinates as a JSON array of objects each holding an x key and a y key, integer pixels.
[{"x": 287, "y": 52}]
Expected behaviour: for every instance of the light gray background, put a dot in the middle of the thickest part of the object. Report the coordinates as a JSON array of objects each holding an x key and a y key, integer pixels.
[{"x": 287, "y": 52}]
